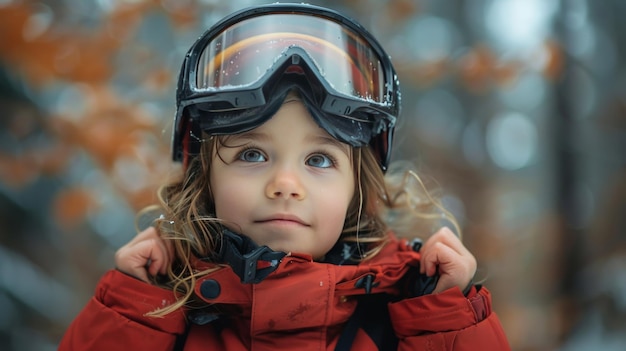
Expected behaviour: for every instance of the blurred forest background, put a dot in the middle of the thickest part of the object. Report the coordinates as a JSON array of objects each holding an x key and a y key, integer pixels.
[{"x": 516, "y": 107}]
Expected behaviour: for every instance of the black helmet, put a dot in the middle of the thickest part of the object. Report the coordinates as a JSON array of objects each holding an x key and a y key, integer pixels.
[{"x": 237, "y": 74}]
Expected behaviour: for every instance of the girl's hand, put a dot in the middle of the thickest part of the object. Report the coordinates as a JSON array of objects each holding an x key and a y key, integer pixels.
[
  {"x": 444, "y": 254},
  {"x": 146, "y": 255}
]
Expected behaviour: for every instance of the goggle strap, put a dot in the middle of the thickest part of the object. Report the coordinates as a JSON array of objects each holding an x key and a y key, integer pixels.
[
  {"x": 186, "y": 137},
  {"x": 191, "y": 141}
]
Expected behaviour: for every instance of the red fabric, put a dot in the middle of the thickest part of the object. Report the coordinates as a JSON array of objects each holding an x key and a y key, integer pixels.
[
  {"x": 448, "y": 321},
  {"x": 114, "y": 318},
  {"x": 302, "y": 306}
]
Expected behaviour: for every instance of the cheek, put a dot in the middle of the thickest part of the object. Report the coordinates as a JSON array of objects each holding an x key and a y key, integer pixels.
[
  {"x": 333, "y": 216},
  {"x": 336, "y": 221},
  {"x": 335, "y": 210},
  {"x": 228, "y": 194},
  {"x": 228, "y": 199}
]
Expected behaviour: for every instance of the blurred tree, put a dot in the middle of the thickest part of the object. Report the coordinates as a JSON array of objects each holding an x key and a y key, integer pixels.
[{"x": 86, "y": 99}]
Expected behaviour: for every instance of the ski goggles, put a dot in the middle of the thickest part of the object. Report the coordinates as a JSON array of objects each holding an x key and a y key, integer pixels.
[{"x": 236, "y": 75}]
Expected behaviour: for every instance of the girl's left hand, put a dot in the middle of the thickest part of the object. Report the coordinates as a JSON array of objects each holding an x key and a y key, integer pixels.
[{"x": 444, "y": 254}]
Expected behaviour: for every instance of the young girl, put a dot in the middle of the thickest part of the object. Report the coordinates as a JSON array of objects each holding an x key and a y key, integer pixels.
[{"x": 276, "y": 237}]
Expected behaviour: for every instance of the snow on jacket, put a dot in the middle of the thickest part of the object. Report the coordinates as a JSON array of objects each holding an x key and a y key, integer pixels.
[{"x": 303, "y": 305}]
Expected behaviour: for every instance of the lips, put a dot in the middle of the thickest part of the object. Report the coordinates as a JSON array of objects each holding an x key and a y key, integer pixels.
[{"x": 283, "y": 218}]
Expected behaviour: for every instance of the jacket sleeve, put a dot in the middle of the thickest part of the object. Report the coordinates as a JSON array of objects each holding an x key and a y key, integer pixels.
[
  {"x": 114, "y": 318},
  {"x": 448, "y": 321}
]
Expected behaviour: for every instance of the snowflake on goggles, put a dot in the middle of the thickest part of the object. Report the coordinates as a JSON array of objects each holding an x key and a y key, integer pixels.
[{"x": 237, "y": 74}]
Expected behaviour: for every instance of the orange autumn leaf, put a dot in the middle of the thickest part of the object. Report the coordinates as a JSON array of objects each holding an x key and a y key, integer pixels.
[
  {"x": 402, "y": 10},
  {"x": 476, "y": 68},
  {"x": 54, "y": 160},
  {"x": 142, "y": 197},
  {"x": 554, "y": 60},
  {"x": 17, "y": 172},
  {"x": 72, "y": 205},
  {"x": 506, "y": 73},
  {"x": 430, "y": 73}
]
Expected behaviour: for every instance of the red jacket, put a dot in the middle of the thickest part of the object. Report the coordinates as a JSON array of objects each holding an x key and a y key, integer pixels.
[{"x": 303, "y": 305}]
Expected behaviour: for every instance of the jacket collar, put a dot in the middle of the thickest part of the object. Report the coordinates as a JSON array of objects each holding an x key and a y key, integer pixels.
[{"x": 385, "y": 269}]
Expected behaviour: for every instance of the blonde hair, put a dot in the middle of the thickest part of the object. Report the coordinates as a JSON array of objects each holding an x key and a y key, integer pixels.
[{"x": 398, "y": 201}]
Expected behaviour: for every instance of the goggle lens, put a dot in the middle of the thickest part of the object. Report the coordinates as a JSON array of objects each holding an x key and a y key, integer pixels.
[{"x": 245, "y": 52}]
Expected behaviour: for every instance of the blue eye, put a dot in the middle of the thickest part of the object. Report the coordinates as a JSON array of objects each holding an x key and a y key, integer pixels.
[
  {"x": 252, "y": 155},
  {"x": 320, "y": 161}
]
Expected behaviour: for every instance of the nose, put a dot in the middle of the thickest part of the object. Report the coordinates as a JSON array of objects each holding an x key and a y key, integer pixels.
[{"x": 285, "y": 184}]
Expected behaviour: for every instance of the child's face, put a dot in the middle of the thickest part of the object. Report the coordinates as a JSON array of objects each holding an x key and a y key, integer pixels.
[{"x": 286, "y": 184}]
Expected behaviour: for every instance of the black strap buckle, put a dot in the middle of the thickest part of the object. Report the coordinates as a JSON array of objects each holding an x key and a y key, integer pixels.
[
  {"x": 367, "y": 283},
  {"x": 243, "y": 255}
]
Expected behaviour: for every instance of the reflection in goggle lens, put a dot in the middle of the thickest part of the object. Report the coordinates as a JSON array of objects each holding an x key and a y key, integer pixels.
[{"x": 236, "y": 58}]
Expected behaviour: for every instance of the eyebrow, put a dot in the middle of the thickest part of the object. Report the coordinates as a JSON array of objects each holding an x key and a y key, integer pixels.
[
  {"x": 327, "y": 140},
  {"x": 249, "y": 136},
  {"x": 313, "y": 138}
]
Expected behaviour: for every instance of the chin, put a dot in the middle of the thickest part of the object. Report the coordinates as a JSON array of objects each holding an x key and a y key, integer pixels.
[{"x": 290, "y": 249}]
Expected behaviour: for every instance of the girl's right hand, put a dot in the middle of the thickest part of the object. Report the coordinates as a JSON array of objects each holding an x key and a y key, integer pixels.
[{"x": 144, "y": 256}]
